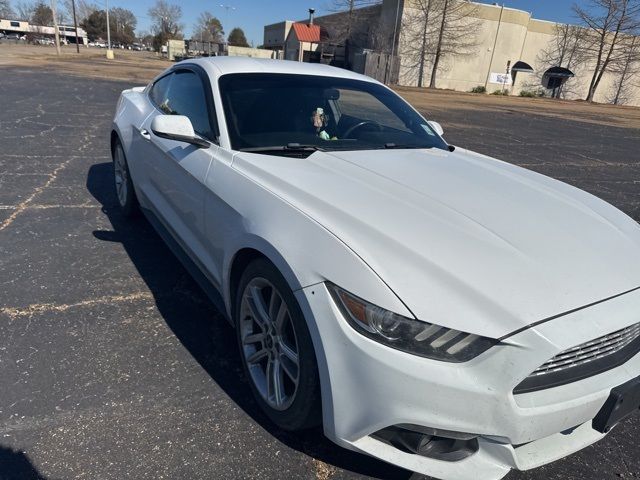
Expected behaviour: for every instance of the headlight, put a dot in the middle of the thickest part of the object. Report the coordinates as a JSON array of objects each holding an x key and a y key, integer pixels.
[{"x": 412, "y": 336}]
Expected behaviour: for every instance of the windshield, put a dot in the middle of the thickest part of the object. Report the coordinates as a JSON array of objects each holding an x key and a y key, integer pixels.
[{"x": 276, "y": 113}]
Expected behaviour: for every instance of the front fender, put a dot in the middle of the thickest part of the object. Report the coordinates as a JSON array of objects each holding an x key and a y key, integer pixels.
[{"x": 247, "y": 215}]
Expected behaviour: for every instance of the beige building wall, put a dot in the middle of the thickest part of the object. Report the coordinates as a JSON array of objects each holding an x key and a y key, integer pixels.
[
  {"x": 501, "y": 35},
  {"x": 234, "y": 51},
  {"x": 20, "y": 27},
  {"x": 294, "y": 49},
  {"x": 275, "y": 34}
]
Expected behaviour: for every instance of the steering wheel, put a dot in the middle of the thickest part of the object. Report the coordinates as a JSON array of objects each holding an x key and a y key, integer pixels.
[{"x": 361, "y": 124}]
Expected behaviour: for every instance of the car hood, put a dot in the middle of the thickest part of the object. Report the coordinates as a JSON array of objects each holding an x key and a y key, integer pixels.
[{"x": 464, "y": 240}]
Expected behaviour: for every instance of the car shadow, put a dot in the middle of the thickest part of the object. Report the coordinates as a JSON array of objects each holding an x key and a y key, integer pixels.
[
  {"x": 204, "y": 332},
  {"x": 15, "y": 465}
]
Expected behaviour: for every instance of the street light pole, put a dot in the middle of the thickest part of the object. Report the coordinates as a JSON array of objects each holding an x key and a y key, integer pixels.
[
  {"x": 55, "y": 26},
  {"x": 109, "y": 51},
  {"x": 226, "y": 17}
]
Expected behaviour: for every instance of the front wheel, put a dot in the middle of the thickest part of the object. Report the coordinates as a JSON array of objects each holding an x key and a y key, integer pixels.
[
  {"x": 122, "y": 179},
  {"x": 276, "y": 348}
]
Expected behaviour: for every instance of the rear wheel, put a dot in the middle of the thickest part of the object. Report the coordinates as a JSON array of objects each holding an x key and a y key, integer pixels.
[
  {"x": 122, "y": 179},
  {"x": 276, "y": 348}
]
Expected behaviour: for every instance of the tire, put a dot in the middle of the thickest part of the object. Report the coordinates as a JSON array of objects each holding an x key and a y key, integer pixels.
[
  {"x": 125, "y": 192},
  {"x": 270, "y": 341}
]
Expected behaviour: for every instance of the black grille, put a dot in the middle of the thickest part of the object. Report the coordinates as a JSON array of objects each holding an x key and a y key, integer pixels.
[{"x": 585, "y": 360}]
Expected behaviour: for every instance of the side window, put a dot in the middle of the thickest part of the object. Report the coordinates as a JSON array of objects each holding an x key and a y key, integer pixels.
[
  {"x": 158, "y": 92},
  {"x": 186, "y": 97}
]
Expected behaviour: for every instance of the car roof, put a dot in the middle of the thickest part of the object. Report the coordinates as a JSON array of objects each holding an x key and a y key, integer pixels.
[{"x": 218, "y": 66}]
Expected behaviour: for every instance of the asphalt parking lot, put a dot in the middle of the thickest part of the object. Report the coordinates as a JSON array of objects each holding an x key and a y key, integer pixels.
[{"x": 114, "y": 365}]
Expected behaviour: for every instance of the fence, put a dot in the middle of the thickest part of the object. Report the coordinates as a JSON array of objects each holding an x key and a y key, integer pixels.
[{"x": 382, "y": 66}]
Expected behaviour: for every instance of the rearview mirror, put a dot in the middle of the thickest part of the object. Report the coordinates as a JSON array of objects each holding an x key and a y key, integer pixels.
[
  {"x": 177, "y": 127},
  {"x": 331, "y": 94},
  {"x": 436, "y": 126}
]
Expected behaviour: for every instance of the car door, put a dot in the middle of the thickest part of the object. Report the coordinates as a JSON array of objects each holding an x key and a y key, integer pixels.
[
  {"x": 176, "y": 170},
  {"x": 141, "y": 161}
]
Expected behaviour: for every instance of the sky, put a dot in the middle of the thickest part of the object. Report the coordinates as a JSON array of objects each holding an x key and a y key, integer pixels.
[{"x": 253, "y": 15}]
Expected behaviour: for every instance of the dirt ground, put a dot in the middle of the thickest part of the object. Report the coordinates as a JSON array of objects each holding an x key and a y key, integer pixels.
[
  {"x": 140, "y": 67},
  {"x": 137, "y": 67}
]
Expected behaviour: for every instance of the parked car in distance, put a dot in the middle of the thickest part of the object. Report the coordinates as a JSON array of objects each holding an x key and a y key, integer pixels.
[
  {"x": 430, "y": 306},
  {"x": 44, "y": 41}
]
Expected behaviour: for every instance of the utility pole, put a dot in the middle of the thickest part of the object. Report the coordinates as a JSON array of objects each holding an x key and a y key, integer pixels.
[
  {"x": 109, "y": 51},
  {"x": 55, "y": 26},
  {"x": 75, "y": 24},
  {"x": 506, "y": 76}
]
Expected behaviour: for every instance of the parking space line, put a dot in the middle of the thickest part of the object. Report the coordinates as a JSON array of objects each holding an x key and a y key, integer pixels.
[
  {"x": 46, "y": 207},
  {"x": 21, "y": 207},
  {"x": 36, "y": 308}
]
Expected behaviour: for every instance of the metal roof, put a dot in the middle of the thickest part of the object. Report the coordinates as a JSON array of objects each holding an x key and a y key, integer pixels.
[{"x": 306, "y": 33}]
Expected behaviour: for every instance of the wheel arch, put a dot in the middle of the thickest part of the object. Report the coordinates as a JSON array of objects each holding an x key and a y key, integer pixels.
[
  {"x": 254, "y": 247},
  {"x": 114, "y": 137}
]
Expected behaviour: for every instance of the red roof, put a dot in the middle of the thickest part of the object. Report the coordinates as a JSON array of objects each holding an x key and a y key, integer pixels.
[{"x": 307, "y": 33}]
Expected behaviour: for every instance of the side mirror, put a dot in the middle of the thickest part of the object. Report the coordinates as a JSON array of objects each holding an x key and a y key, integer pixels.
[
  {"x": 436, "y": 126},
  {"x": 177, "y": 127}
]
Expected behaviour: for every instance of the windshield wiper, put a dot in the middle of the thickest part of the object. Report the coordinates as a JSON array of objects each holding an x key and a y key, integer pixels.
[
  {"x": 399, "y": 145},
  {"x": 289, "y": 147}
]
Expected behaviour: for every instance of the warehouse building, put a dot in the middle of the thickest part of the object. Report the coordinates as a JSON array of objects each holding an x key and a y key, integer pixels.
[
  {"x": 67, "y": 32},
  {"x": 507, "y": 49}
]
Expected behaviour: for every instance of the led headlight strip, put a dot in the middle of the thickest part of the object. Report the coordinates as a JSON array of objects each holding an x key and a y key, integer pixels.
[{"x": 406, "y": 334}]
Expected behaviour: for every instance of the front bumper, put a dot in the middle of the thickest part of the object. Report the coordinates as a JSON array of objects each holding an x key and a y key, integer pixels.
[{"x": 367, "y": 387}]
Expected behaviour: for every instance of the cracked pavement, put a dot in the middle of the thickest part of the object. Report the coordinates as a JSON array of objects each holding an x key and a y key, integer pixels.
[{"x": 113, "y": 363}]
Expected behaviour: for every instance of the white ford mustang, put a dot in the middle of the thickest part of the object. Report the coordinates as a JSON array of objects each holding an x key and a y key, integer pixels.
[{"x": 435, "y": 308}]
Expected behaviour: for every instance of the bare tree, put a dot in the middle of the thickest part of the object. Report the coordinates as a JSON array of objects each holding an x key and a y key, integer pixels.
[
  {"x": 380, "y": 36},
  {"x": 5, "y": 9},
  {"x": 25, "y": 10},
  {"x": 166, "y": 18},
  {"x": 457, "y": 24},
  {"x": 83, "y": 8},
  {"x": 610, "y": 22},
  {"x": 568, "y": 49},
  {"x": 627, "y": 72},
  {"x": 418, "y": 24},
  {"x": 61, "y": 16},
  {"x": 166, "y": 23},
  {"x": 208, "y": 28},
  {"x": 354, "y": 12}
]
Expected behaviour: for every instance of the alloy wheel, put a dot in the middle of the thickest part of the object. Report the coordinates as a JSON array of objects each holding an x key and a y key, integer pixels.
[
  {"x": 120, "y": 175},
  {"x": 269, "y": 343}
]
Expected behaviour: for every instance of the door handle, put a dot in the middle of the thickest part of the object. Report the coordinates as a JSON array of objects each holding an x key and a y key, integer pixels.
[{"x": 145, "y": 134}]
